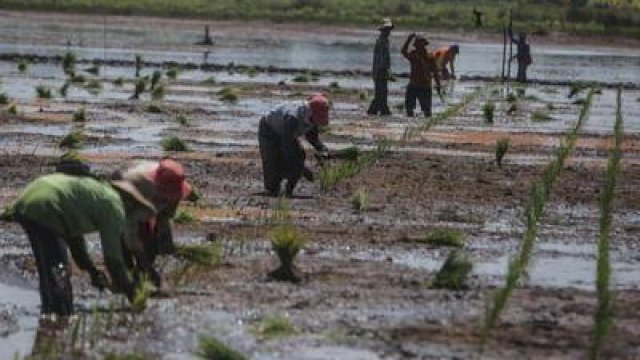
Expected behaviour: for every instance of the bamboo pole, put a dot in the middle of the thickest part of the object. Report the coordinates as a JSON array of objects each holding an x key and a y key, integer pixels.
[
  {"x": 504, "y": 49},
  {"x": 510, "y": 44}
]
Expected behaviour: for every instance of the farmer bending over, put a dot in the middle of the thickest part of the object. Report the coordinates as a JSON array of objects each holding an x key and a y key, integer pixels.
[
  {"x": 423, "y": 67},
  {"x": 446, "y": 56},
  {"x": 57, "y": 210},
  {"x": 281, "y": 152}
]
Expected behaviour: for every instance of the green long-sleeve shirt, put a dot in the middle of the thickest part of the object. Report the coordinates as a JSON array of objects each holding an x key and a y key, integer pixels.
[{"x": 73, "y": 206}]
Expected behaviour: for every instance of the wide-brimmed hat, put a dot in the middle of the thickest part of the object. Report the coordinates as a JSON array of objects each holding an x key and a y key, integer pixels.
[
  {"x": 386, "y": 24},
  {"x": 132, "y": 190},
  {"x": 319, "y": 105}
]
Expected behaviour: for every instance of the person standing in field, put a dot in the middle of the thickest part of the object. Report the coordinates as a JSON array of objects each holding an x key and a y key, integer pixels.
[
  {"x": 280, "y": 150},
  {"x": 381, "y": 71},
  {"x": 523, "y": 55},
  {"x": 446, "y": 56},
  {"x": 423, "y": 68}
]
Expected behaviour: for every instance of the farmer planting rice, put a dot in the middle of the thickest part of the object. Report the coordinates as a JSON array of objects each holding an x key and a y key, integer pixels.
[
  {"x": 280, "y": 150},
  {"x": 446, "y": 56},
  {"x": 57, "y": 210},
  {"x": 381, "y": 71}
]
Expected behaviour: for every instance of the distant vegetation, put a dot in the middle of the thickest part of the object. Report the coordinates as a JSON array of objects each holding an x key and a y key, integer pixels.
[{"x": 576, "y": 16}]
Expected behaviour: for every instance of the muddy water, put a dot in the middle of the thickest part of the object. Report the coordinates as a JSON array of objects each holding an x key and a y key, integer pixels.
[{"x": 22, "y": 307}]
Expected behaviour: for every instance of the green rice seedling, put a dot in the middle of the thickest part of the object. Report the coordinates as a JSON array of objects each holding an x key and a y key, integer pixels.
[
  {"x": 155, "y": 78},
  {"x": 360, "y": 200},
  {"x": 4, "y": 99},
  {"x": 183, "y": 120},
  {"x": 173, "y": 143},
  {"x": 209, "y": 81},
  {"x": 272, "y": 327},
  {"x": 77, "y": 78},
  {"x": 118, "y": 82},
  {"x": 69, "y": 63},
  {"x": 487, "y": 110},
  {"x": 603, "y": 317},
  {"x": 286, "y": 242},
  {"x": 138, "y": 65},
  {"x": 302, "y": 78},
  {"x": 362, "y": 95},
  {"x": 141, "y": 86},
  {"x": 195, "y": 195},
  {"x": 141, "y": 295},
  {"x": 158, "y": 92},
  {"x": 210, "y": 348},
  {"x": 80, "y": 115},
  {"x": 209, "y": 254},
  {"x": 511, "y": 97},
  {"x": 43, "y": 92},
  {"x": 94, "y": 86},
  {"x": 454, "y": 272},
  {"x": 228, "y": 94},
  {"x": 533, "y": 212},
  {"x": 252, "y": 72},
  {"x": 64, "y": 89},
  {"x": 154, "y": 109},
  {"x": 73, "y": 140},
  {"x": 23, "y": 65},
  {"x": 540, "y": 115},
  {"x": 502, "y": 146},
  {"x": 550, "y": 106},
  {"x": 94, "y": 70},
  {"x": 349, "y": 153},
  {"x": 445, "y": 237},
  {"x": 172, "y": 73},
  {"x": 184, "y": 217},
  {"x": 12, "y": 109}
]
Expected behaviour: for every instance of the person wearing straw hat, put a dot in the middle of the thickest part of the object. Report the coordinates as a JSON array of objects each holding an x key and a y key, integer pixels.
[
  {"x": 280, "y": 150},
  {"x": 381, "y": 70},
  {"x": 57, "y": 210}
]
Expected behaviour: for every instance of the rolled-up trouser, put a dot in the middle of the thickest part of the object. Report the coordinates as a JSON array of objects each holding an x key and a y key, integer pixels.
[
  {"x": 277, "y": 163},
  {"x": 423, "y": 94},
  {"x": 52, "y": 261}
]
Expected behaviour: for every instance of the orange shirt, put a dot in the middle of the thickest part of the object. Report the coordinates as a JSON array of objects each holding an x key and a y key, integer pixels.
[{"x": 444, "y": 55}]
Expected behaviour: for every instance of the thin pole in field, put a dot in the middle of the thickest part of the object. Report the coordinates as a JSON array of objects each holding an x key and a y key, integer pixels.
[
  {"x": 504, "y": 49},
  {"x": 510, "y": 44}
]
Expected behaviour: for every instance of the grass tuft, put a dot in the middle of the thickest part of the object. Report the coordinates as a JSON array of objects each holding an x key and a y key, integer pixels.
[
  {"x": 73, "y": 140},
  {"x": 69, "y": 63},
  {"x": 141, "y": 86},
  {"x": 4, "y": 99},
  {"x": 12, "y": 109},
  {"x": 210, "y": 348},
  {"x": 23, "y": 66},
  {"x": 209, "y": 254},
  {"x": 454, "y": 272},
  {"x": 360, "y": 200},
  {"x": 183, "y": 120},
  {"x": 209, "y": 81},
  {"x": 118, "y": 82},
  {"x": 487, "y": 111},
  {"x": 94, "y": 70},
  {"x": 272, "y": 327},
  {"x": 155, "y": 78},
  {"x": 94, "y": 86},
  {"x": 445, "y": 237},
  {"x": 154, "y": 109},
  {"x": 80, "y": 115},
  {"x": 172, "y": 73},
  {"x": 286, "y": 242},
  {"x": 540, "y": 115},
  {"x": 502, "y": 146},
  {"x": 158, "y": 92},
  {"x": 43, "y": 92},
  {"x": 228, "y": 94},
  {"x": 173, "y": 143}
]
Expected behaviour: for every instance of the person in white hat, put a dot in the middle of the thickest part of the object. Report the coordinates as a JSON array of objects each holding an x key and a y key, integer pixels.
[{"x": 381, "y": 71}]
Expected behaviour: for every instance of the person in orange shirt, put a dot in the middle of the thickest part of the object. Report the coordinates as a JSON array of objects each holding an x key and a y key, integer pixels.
[{"x": 446, "y": 56}]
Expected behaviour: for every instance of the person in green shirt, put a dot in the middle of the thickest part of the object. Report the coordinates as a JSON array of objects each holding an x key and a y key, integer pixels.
[{"x": 57, "y": 210}]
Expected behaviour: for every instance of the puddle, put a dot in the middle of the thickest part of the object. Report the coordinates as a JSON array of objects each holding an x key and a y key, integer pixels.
[{"x": 24, "y": 305}]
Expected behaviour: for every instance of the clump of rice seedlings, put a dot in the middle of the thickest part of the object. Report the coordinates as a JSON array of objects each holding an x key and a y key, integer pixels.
[
  {"x": 77, "y": 78},
  {"x": 80, "y": 115},
  {"x": 360, "y": 200},
  {"x": 118, "y": 82},
  {"x": 334, "y": 85},
  {"x": 185, "y": 217},
  {"x": 154, "y": 109},
  {"x": 502, "y": 146},
  {"x": 173, "y": 143},
  {"x": 94, "y": 86},
  {"x": 141, "y": 86},
  {"x": 511, "y": 97},
  {"x": 141, "y": 295},
  {"x": 252, "y": 72},
  {"x": 228, "y": 94},
  {"x": 349, "y": 153},
  {"x": 183, "y": 120},
  {"x": 69, "y": 63},
  {"x": 95, "y": 70},
  {"x": 444, "y": 237},
  {"x": 454, "y": 272},
  {"x": 23, "y": 65},
  {"x": 604, "y": 309},
  {"x": 550, "y": 106},
  {"x": 209, "y": 81},
  {"x": 138, "y": 65},
  {"x": 362, "y": 95},
  {"x": 43, "y": 92},
  {"x": 210, "y": 348},
  {"x": 12, "y": 109},
  {"x": 158, "y": 92},
  {"x": 487, "y": 111},
  {"x": 155, "y": 78},
  {"x": 302, "y": 78},
  {"x": 195, "y": 195},
  {"x": 209, "y": 254},
  {"x": 540, "y": 115},
  {"x": 272, "y": 327},
  {"x": 72, "y": 140},
  {"x": 4, "y": 99},
  {"x": 172, "y": 73},
  {"x": 286, "y": 242},
  {"x": 64, "y": 89}
]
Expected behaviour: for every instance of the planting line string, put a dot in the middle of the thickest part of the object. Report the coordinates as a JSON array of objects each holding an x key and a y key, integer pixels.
[
  {"x": 603, "y": 315},
  {"x": 533, "y": 213}
]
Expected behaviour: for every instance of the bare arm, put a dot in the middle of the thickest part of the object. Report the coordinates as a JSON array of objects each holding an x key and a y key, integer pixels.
[{"x": 405, "y": 47}]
